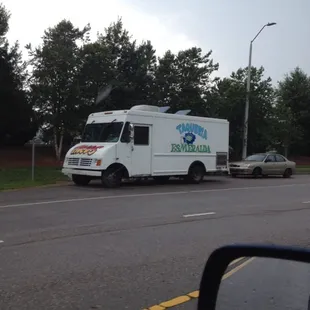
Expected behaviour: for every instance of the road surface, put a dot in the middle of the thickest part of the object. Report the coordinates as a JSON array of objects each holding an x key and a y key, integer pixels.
[
  {"x": 138, "y": 246},
  {"x": 268, "y": 284}
]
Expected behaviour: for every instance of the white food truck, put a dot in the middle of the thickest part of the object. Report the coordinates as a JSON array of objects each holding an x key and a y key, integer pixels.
[{"x": 144, "y": 141}]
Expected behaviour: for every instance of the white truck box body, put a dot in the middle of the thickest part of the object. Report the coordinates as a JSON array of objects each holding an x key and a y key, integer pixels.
[{"x": 174, "y": 143}]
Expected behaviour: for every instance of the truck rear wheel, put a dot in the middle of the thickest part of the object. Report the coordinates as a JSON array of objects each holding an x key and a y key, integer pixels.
[
  {"x": 112, "y": 177},
  {"x": 196, "y": 173},
  {"x": 81, "y": 180}
]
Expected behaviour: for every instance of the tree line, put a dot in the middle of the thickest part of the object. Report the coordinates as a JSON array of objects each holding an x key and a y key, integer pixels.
[{"x": 56, "y": 88}]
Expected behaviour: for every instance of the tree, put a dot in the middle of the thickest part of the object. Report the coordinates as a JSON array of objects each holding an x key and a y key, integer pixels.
[
  {"x": 294, "y": 96},
  {"x": 17, "y": 124},
  {"x": 54, "y": 85},
  {"x": 133, "y": 67},
  {"x": 227, "y": 100},
  {"x": 4, "y": 21},
  {"x": 184, "y": 80},
  {"x": 115, "y": 59},
  {"x": 286, "y": 131}
]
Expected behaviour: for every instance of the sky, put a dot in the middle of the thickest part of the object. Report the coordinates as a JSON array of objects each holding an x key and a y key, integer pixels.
[{"x": 224, "y": 26}]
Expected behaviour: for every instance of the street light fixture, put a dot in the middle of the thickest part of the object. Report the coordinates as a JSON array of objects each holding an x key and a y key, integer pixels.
[{"x": 247, "y": 100}]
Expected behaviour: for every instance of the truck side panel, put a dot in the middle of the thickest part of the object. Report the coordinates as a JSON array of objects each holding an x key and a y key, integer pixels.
[{"x": 177, "y": 143}]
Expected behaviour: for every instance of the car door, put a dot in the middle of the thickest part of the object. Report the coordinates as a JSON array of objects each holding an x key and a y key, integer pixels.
[
  {"x": 269, "y": 165},
  {"x": 142, "y": 150},
  {"x": 281, "y": 164}
]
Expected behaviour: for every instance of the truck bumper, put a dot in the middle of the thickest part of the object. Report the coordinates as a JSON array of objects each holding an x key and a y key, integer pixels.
[
  {"x": 91, "y": 173},
  {"x": 218, "y": 171}
]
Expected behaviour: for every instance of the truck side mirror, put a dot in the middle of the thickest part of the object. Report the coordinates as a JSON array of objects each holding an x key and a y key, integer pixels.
[
  {"x": 131, "y": 132},
  {"x": 76, "y": 140}
]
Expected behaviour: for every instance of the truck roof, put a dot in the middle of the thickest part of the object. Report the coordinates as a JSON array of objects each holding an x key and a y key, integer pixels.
[{"x": 154, "y": 111}]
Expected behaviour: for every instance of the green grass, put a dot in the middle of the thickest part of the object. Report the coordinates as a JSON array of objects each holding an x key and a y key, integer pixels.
[
  {"x": 303, "y": 168},
  {"x": 13, "y": 178}
]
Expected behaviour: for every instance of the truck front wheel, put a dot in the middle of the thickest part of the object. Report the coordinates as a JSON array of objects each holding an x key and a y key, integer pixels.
[
  {"x": 112, "y": 177},
  {"x": 196, "y": 173},
  {"x": 81, "y": 180}
]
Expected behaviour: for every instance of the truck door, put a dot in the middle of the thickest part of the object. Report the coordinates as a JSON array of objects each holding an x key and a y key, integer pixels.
[
  {"x": 124, "y": 149},
  {"x": 142, "y": 151}
]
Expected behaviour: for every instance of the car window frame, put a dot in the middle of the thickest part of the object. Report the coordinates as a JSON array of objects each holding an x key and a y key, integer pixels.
[
  {"x": 270, "y": 155},
  {"x": 283, "y": 161}
]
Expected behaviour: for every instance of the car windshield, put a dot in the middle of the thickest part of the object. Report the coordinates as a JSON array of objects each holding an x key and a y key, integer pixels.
[
  {"x": 102, "y": 132},
  {"x": 256, "y": 157}
]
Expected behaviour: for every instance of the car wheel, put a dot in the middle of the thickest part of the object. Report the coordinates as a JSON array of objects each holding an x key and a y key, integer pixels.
[
  {"x": 257, "y": 172},
  {"x": 233, "y": 175},
  {"x": 287, "y": 173}
]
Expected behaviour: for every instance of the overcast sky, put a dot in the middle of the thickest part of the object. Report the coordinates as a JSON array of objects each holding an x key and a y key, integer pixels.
[{"x": 225, "y": 26}]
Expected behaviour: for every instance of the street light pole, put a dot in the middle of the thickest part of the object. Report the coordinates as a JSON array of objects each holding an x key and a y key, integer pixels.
[{"x": 247, "y": 99}]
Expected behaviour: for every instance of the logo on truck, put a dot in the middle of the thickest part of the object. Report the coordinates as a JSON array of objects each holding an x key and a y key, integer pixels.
[
  {"x": 189, "y": 133},
  {"x": 85, "y": 150}
]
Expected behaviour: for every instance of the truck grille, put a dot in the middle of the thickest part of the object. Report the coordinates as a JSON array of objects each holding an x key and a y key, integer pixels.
[
  {"x": 73, "y": 161},
  {"x": 221, "y": 159},
  {"x": 83, "y": 162}
]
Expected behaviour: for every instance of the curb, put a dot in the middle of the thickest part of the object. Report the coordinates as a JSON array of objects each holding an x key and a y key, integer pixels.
[
  {"x": 58, "y": 184},
  {"x": 61, "y": 183}
]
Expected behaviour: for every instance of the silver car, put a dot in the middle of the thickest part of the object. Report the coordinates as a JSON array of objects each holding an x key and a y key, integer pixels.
[{"x": 263, "y": 164}]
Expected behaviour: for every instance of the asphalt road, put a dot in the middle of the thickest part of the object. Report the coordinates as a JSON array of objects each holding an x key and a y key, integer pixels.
[
  {"x": 268, "y": 284},
  {"x": 138, "y": 246}
]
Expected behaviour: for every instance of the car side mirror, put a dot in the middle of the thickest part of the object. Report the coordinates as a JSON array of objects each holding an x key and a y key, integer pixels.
[{"x": 247, "y": 266}]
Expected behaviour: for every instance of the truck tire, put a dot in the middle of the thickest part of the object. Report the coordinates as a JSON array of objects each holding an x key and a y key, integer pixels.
[
  {"x": 163, "y": 179},
  {"x": 80, "y": 180},
  {"x": 112, "y": 177},
  {"x": 196, "y": 174}
]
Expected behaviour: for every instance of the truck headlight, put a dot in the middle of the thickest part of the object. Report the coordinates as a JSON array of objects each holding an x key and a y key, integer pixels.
[{"x": 98, "y": 162}]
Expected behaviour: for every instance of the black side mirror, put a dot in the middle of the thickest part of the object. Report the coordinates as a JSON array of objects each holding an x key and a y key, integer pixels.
[
  {"x": 127, "y": 137},
  {"x": 254, "y": 258}
]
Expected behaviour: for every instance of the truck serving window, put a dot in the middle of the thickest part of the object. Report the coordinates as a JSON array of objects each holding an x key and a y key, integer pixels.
[
  {"x": 102, "y": 132},
  {"x": 141, "y": 135}
]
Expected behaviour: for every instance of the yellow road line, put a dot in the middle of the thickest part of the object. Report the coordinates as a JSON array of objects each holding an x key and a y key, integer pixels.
[
  {"x": 234, "y": 270},
  {"x": 236, "y": 261},
  {"x": 185, "y": 298}
]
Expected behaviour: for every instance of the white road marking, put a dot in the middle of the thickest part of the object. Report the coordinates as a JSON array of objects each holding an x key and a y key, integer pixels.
[
  {"x": 198, "y": 214},
  {"x": 306, "y": 202},
  {"x": 147, "y": 195},
  {"x": 1, "y": 241}
]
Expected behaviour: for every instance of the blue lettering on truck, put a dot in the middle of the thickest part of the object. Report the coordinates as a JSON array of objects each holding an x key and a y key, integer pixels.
[{"x": 189, "y": 133}]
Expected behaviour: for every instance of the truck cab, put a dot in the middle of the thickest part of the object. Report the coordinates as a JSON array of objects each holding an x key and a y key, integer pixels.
[{"x": 106, "y": 139}]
